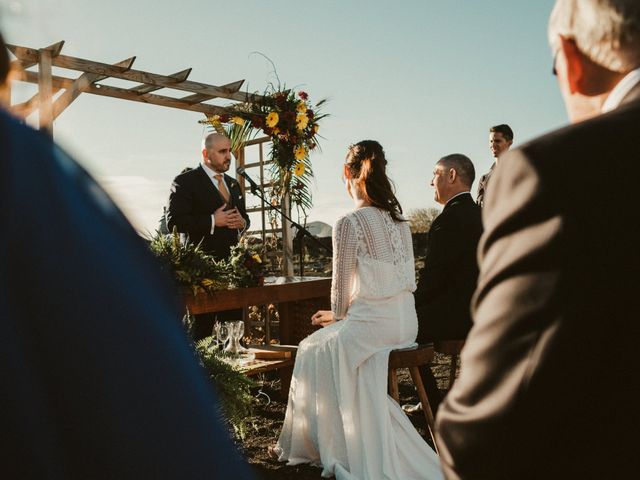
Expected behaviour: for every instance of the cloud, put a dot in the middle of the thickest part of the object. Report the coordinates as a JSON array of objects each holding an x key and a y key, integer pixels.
[{"x": 139, "y": 198}]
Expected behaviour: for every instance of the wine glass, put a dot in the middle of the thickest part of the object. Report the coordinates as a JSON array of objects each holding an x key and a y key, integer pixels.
[
  {"x": 239, "y": 333},
  {"x": 214, "y": 333},
  {"x": 223, "y": 332}
]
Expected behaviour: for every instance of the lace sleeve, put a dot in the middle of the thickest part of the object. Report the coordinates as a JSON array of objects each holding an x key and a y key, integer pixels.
[{"x": 345, "y": 246}]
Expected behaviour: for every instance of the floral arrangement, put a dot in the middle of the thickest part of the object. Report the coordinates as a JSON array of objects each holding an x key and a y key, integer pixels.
[
  {"x": 189, "y": 264},
  {"x": 246, "y": 267},
  {"x": 292, "y": 123},
  {"x": 192, "y": 267}
]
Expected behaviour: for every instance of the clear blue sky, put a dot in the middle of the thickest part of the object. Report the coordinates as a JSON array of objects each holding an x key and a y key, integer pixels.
[{"x": 425, "y": 78}]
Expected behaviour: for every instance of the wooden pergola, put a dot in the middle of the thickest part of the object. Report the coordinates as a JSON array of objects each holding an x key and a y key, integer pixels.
[
  {"x": 35, "y": 65},
  {"x": 144, "y": 84}
]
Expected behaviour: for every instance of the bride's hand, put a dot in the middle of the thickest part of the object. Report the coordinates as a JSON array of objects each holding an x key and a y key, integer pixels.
[{"x": 323, "y": 318}]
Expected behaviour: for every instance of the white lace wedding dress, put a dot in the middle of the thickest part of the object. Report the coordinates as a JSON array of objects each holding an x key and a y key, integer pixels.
[{"x": 339, "y": 415}]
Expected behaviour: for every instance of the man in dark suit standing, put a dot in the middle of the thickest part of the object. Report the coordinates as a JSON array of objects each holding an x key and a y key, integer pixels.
[
  {"x": 549, "y": 382},
  {"x": 206, "y": 203},
  {"x": 500, "y": 140},
  {"x": 448, "y": 278}
]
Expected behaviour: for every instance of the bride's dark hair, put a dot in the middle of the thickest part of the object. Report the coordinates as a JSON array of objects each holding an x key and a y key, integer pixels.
[{"x": 367, "y": 166}]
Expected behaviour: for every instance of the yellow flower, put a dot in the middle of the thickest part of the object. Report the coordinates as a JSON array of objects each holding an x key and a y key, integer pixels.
[
  {"x": 215, "y": 118},
  {"x": 300, "y": 152},
  {"x": 275, "y": 131},
  {"x": 272, "y": 119},
  {"x": 302, "y": 107},
  {"x": 316, "y": 127},
  {"x": 237, "y": 120},
  {"x": 256, "y": 258},
  {"x": 302, "y": 121},
  {"x": 299, "y": 169}
]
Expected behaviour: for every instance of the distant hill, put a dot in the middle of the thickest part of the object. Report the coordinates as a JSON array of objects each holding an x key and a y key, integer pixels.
[{"x": 319, "y": 229}]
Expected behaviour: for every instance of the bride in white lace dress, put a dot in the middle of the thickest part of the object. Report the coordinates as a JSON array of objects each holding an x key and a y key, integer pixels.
[{"x": 339, "y": 415}]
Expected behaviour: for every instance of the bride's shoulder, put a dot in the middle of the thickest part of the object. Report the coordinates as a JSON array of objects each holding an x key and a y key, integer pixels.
[{"x": 344, "y": 219}]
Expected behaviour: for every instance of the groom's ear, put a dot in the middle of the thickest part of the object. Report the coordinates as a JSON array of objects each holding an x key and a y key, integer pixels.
[{"x": 452, "y": 175}]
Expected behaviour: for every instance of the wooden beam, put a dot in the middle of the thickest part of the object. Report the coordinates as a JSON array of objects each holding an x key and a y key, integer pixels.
[
  {"x": 198, "y": 97},
  {"x": 88, "y": 66},
  {"x": 179, "y": 76},
  {"x": 125, "y": 94},
  {"x": 46, "y": 92},
  {"x": 80, "y": 85}
]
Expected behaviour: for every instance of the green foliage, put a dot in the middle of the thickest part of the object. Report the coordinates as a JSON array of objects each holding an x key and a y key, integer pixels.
[
  {"x": 420, "y": 219},
  {"x": 245, "y": 267},
  {"x": 189, "y": 265},
  {"x": 232, "y": 386}
]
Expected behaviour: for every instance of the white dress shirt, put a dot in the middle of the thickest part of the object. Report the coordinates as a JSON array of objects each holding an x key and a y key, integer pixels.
[{"x": 623, "y": 87}]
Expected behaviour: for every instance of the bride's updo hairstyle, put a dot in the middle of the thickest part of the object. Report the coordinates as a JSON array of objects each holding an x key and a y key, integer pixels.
[{"x": 367, "y": 166}]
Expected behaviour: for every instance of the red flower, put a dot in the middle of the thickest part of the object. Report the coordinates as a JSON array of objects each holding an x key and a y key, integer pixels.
[
  {"x": 224, "y": 118},
  {"x": 303, "y": 95},
  {"x": 310, "y": 114}
]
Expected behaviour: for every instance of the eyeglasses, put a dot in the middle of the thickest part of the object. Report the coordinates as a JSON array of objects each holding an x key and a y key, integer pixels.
[{"x": 554, "y": 71}]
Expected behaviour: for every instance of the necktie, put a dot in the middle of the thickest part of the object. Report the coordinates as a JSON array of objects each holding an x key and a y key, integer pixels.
[{"x": 222, "y": 188}]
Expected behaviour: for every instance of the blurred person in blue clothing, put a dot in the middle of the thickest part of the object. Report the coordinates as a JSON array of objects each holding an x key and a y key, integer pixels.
[{"x": 99, "y": 380}]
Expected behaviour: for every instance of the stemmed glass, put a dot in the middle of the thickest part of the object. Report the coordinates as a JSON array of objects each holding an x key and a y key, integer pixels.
[
  {"x": 223, "y": 332},
  {"x": 239, "y": 333}
]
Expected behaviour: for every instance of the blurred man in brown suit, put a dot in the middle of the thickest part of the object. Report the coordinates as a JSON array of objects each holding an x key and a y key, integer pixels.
[{"x": 550, "y": 371}]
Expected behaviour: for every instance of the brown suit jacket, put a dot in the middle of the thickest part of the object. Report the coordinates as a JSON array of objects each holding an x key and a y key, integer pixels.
[{"x": 549, "y": 386}]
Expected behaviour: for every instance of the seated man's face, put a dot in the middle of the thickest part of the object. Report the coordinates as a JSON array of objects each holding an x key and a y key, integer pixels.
[{"x": 498, "y": 144}]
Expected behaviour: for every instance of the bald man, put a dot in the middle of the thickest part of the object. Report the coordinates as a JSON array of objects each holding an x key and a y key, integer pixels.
[{"x": 206, "y": 203}]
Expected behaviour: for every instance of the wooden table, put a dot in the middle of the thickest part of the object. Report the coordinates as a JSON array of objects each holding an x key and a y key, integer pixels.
[{"x": 297, "y": 299}]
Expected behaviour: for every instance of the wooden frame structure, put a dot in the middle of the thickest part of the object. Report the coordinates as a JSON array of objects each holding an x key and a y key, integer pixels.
[
  {"x": 92, "y": 72},
  {"x": 144, "y": 89}
]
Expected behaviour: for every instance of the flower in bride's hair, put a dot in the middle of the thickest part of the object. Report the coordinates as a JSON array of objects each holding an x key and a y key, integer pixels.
[
  {"x": 272, "y": 119},
  {"x": 299, "y": 169},
  {"x": 302, "y": 121},
  {"x": 237, "y": 120},
  {"x": 300, "y": 152}
]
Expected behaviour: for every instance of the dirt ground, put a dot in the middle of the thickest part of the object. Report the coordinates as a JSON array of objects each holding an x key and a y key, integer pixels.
[{"x": 269, "y": 414}]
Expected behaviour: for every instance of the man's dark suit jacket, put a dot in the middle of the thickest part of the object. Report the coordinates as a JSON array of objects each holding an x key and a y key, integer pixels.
[
  {"x": 448, "y": 278},
  {"x": 550, "y": 379},
  {"x": 192, "y": 201},
  {"x": 482, "y": 185},
  {"x": 98, "y": 379}
]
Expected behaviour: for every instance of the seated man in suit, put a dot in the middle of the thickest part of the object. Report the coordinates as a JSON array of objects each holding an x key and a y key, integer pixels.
[
  {"x": 450, "y": 271},
  {"x": 207, "y": 204},
  {"x": 549, "y": 381}
]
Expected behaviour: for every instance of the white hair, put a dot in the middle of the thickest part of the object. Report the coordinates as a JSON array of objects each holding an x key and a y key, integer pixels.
[{"x": 606, "y": 31}]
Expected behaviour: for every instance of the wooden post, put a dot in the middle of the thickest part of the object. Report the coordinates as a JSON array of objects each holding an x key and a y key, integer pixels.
[
  {"x": 45, "y": 90},
  {"x": 287, "y": 238}
]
